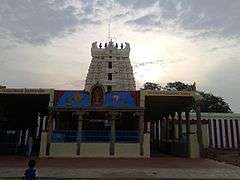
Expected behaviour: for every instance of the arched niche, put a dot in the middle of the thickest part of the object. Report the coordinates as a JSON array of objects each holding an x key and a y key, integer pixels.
[{"x": 97, "y": 95}]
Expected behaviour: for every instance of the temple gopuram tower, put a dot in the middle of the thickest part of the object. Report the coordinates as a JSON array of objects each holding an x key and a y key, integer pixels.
[{"x": 110, "y": 67}]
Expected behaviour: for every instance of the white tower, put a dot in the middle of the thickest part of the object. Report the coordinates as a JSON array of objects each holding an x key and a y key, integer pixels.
[{"x": 110, "y": 67}]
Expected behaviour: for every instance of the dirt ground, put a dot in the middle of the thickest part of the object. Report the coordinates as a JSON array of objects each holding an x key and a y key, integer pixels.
[{"x": 227, "y": 156}]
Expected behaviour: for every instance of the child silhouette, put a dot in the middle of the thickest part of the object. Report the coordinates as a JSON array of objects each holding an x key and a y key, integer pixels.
[{"x": 31, "y": 172}]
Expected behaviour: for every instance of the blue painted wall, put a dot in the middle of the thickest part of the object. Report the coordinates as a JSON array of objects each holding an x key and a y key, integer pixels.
[
  {"x": 122, "y": 99},
  {"x": 82, "y": 99},
  {"x": 72, "y": 99}
]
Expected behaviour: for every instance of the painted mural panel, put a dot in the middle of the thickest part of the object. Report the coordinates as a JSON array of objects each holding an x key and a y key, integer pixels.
[
  {"x": 72, "y": 99},
  {"x": 121, "y": 99},
  {"x": 82, "y": 99}
]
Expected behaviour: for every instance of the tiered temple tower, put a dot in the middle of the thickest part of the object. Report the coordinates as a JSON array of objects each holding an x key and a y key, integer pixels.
[{"x": 110, "y": 67}]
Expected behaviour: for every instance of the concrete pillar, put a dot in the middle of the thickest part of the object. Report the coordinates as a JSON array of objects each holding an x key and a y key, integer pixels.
[
  {"x": 113, "y": 116},
  {"x": 49, "y": 131},
  {"x": 157, "y": 132},
  {"x": 161, "y": 129},
  {"x": 141, "y": 132},
  {"x": 188, "y": 132},
  {"x": 173, "y": 136},
  {"x": 44, "y": 123},
  {"x": 20, "y": 138},
  {"x": 38, "y": 125},
  {"x": 152, "y": 131},
  {"x": 54, "y": 124},
  {"x": 173, "y": 127},
  {"x": 148, "y": 127},
  {"x": 26, "y": 137},
  {"x": 167, "y": 128},
  {"x": 164, "y": 128},
  {"x": 57, "y": 120},
  {"x": 179, "y": 125},
  {"x": 199, "y": 129},
  {"x": 79, "y": 132}
]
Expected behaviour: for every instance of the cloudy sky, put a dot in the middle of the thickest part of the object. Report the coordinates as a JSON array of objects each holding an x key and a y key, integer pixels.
[{"x": 47, "y": 43}]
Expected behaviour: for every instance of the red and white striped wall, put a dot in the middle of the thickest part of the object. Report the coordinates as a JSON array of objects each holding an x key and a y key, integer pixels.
[{"x": 223, "y": 129}]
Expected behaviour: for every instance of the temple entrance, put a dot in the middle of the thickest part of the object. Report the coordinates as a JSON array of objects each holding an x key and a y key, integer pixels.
[
  {"x": 169, "y": 133},
  {"x": 95, "y": 127},
  {"x": 21, "y": 117},
  {"x": 165, "y": 138}
]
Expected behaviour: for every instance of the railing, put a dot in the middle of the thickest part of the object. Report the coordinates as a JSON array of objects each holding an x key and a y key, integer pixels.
[
  {"x": 94, "y": 136},
  {"x": 8, "y": 136},
  {"x": 64, "y": 136},
  {"x": 127, "y": 136}
]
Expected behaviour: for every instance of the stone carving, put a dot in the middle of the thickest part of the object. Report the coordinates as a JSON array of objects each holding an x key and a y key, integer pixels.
[
  {"x": 94, "y": 44},
  {"x": 127, "y": 47}
]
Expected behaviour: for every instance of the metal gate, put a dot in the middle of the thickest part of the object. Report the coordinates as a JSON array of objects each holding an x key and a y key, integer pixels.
[{"x": 165, "y": 139}]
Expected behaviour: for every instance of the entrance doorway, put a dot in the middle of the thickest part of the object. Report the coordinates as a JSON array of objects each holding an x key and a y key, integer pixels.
[
  {"x": 168, "y": 132},
  {"x": 21, "y": 117}
]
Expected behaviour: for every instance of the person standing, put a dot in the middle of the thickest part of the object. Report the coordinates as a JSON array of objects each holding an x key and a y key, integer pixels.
[{"x": 31, "y": 172}]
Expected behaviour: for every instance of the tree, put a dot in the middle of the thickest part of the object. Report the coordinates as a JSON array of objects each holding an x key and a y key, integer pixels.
[
  {"x": 151, "y": 86},
  {"x": 213, "y": 103},
  {"x": 178, "y": 85},
  {"x": 210, "y": 103}
]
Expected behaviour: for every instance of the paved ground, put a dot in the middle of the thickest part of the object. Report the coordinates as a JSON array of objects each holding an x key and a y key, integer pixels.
[
  {"x": 164, "y": 167},
  {"x": 228, "y": 156}
]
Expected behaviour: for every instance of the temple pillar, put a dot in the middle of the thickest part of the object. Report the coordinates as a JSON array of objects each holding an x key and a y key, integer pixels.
[
  {"x": 161, "y": 129},
  {"x": 199, "y": 129},
  {"x": 148, "y": 127},
  {"x": 157, "y": 132},
  {"x": 167, "y": 128},
  {"x": 187, "y": 115},
  {"x": 113, "y": 132},
  {"x": 152, "y": 131},
  {"x": 79, "y": 132},
  {"x": 141, "y": 132},
  {"x": 41, "y": 116},
  {"x": 54, "y": 124},
  {"x": 173, "y": 136},
  {"x": 57, "y": 120},
  {"x": 49, "y": 130},
  {"x": 173, "y": 126},
  {"x": 179, "y": 125}
]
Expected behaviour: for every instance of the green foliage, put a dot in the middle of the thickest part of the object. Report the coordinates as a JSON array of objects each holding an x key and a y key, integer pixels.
[
  {"x": 210, "y": 103},
  {"x": 213, "y": 103},
  {"x": 178, "y": 85},
  {"x": 151, "y": 86}
]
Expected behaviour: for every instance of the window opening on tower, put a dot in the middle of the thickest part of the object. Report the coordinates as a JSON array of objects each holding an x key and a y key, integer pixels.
[
  {"x": 110, "y": 65},
  {"x": 109, "y": 76},
  {"x": 109, "y": 88}
]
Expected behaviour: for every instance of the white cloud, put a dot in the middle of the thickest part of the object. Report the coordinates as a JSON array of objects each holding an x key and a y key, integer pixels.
[{"x": 47, "y": 43}]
